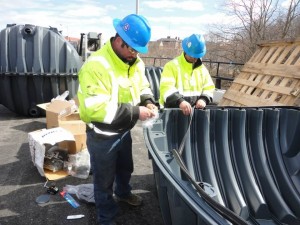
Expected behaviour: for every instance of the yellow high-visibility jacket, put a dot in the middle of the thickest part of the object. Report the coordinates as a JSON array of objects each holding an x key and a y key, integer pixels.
[
  {"x": 110, "y": 91},
  {"x": 181, "y": 80}
]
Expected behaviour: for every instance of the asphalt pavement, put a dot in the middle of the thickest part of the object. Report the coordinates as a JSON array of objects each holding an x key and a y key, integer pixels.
[{"x": 21, "y": 184}]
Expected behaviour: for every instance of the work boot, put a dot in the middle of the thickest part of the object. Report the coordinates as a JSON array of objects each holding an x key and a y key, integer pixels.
[{"x": 131, "y": 199}]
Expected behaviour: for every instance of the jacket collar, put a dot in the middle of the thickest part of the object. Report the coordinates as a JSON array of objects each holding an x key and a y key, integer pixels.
[
  {"x": 186, "y": 64},
  {"x": 115, "y": 58},
  {"x": 182, "y": 61}
]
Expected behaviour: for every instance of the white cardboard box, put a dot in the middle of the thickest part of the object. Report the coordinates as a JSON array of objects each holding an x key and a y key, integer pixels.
[{"x": 37, "y": 140}]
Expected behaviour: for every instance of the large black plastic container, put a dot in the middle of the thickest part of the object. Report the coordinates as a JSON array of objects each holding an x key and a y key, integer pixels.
[
  {"x": 36, "y": 65},
  {"x": 153, "y": 75},
  {"x": 250, "y": 156}
]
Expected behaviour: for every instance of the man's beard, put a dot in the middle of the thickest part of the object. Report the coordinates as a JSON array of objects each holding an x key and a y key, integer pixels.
[{"x": 129, "y": 62}]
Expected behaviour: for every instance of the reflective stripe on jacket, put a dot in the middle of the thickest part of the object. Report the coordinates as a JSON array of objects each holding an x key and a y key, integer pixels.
[
  {"x": 110, "y": 90},
  {"x": 179, "y": 77}
]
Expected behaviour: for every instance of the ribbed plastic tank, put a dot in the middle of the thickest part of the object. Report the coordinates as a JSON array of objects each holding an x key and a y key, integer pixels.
[
  {"x": 153, "y": 75},
  {"x": 36, "y": 65},
  {"x": 249, "y": 156}
]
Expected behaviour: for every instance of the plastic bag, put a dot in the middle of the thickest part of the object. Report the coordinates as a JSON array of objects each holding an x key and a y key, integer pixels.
[
  {"x": 149, "y": 122},
  {"x": 63, "y": 96},
  {"x": 84, "y": 192},
  {"x": 79, "y": 164}
]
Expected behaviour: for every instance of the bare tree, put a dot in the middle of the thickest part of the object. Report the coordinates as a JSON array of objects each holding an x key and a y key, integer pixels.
[
  {"x": 296, "y": 27},
  {"x": 255, "y": 21},
  {"x": 291, "y": 14},
  {"x": 254, "y": 15}
]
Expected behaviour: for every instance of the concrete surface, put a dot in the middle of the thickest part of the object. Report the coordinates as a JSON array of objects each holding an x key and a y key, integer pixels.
[{"x": 21, "y": 183}]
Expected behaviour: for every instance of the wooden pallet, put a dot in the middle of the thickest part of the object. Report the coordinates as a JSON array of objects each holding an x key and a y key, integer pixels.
[{"x": 270, "y": 78}]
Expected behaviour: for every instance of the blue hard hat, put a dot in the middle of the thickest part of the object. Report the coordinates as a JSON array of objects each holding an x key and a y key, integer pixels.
[
  {"x": 194, "y": 46},
  {"x": 135, "y": 31}
]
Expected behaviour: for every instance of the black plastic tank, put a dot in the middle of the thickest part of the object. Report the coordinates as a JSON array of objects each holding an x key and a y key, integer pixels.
[
  {"x": 248, "y": 156},
  {"x": 36, "y": 65},
  {"x": 153, "y": 75}
]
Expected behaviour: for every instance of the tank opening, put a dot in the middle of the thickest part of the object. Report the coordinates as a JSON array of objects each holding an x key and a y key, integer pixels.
[
  {"x": 34, "y": 112},
  {"x": 28, "y": 30}
]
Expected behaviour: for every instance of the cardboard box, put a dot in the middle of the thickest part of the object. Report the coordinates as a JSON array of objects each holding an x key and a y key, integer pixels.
[
  {"x": 60, "y": 113},
  {"x": 38, "y": 142},
  {"x": 77, "y": 127},
  {"x": 55, "y": 110}
]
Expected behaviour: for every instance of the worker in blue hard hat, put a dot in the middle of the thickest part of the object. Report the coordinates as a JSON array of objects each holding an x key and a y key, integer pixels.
[
  {"x": 185, "y": 81},
  {"x": 113, "y": 95}
]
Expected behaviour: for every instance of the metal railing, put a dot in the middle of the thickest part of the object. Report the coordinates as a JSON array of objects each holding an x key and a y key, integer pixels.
[{"x": 222, "y": 72}]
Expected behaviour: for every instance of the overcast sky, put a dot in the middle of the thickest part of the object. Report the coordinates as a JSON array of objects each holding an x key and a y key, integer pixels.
[{"x": 175, "y": 18}]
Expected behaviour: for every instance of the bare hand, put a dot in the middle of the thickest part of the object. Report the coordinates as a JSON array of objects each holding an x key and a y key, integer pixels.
[
  {"x": 146, "y": 113},
  {"x": 152, "y": 107},
  {"x": 200, "y": 104},
  {"x": 185, "y": 107}
]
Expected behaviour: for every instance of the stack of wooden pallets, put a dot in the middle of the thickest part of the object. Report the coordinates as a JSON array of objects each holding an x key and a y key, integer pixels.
[{"x": 270, "y": 78}]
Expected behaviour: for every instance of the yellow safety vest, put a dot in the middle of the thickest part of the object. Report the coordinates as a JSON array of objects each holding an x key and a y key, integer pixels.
[
  {"x": 179, "y": 76},
  {"x": 105, "y": 81}
]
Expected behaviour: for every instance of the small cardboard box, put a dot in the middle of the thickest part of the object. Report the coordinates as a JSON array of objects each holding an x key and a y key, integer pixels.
[
  {"x": 59, "y": 113},
  {"x": 55, "y": 110},
  {"x": 77, "y": 127},
  {"x": 37, "y": 144}
]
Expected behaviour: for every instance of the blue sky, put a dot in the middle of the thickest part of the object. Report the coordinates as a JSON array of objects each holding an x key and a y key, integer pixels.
[{"x": 175, "y": 18}]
